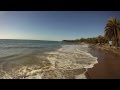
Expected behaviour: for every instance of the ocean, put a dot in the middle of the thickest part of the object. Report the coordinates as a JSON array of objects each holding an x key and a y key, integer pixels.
[{"x": 39, "y": 59}]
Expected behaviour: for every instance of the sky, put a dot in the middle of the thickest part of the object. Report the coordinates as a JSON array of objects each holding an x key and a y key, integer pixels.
[{"x": 53, "y": 25}]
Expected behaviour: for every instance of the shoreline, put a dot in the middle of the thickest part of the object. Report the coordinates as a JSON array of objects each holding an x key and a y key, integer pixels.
[{"x": 108, "y": 66}]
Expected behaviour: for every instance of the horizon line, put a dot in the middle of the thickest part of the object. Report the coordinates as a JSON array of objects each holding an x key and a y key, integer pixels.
[{"x": 30, "y": 39}]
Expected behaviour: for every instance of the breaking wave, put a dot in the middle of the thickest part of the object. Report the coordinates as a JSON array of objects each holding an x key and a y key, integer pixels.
[{"x": 68, "y": 62}]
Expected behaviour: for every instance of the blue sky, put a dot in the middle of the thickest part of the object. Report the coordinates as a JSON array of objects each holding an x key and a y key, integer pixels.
[{"x": 53, "y": 25}]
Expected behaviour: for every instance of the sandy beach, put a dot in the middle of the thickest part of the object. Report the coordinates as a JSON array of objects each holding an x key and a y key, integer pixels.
[{"x": 108, "y": 66}]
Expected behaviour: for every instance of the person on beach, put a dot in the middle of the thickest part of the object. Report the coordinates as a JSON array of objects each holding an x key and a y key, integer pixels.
[{"x": 110, "y": 43}]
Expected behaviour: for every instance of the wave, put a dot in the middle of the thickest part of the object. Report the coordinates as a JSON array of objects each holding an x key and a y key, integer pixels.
[
  {"x": 20, "y": 47},
  {"x": 68, "y": 62},
  {"x": 72, "y": 57}
]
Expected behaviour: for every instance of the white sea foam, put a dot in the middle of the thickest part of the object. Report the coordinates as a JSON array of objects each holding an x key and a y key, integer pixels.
[
  {"x": 81, "y": 76},
  {"x": 70, "y": 61},
  {"x": 71, "y": 57}
]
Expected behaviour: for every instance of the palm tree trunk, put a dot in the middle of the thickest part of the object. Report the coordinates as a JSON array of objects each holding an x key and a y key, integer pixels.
[{"x": 116, "y": 43}]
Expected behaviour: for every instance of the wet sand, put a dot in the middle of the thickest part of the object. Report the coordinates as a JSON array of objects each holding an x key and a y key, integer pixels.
[{"x": 108, "y": 66}]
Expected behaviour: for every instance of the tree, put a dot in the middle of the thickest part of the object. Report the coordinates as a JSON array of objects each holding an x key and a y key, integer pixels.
[
  {"x": 112, "y": 30},
  {"x": 99, "y": 38}
]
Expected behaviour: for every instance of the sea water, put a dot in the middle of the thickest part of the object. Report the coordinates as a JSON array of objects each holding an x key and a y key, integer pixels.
[{"x": 37, "y": 59}]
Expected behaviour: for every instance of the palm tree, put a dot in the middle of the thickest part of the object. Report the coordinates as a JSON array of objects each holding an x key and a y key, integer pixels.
[{"x": 112, "y": 30}]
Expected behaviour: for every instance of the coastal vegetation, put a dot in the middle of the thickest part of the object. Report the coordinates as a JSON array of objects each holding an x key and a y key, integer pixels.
[
  {"x": 112, "y": 30},
  {"x": 111, "y": 33},
  {"x": 94, "y": 40}
]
